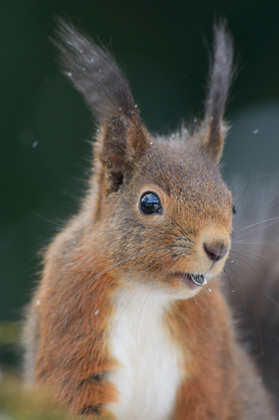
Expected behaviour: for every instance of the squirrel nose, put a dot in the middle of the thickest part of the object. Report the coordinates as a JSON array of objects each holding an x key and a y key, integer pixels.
[{"x": 215, "y": 250}]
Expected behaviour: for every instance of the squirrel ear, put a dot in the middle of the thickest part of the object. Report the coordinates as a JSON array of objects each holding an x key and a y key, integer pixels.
[
  {"x": 123, "y": 139},
  {"x": 95, "y": 74},
  {"x": 220, "y": 79}
]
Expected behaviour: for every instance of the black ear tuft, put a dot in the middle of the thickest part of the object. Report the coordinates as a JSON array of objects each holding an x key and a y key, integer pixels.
[
  {"x": 93, "y": 72},
  {"x": 220, "y": 80}
]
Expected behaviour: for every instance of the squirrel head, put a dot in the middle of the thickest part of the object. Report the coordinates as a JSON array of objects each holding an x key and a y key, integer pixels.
[{"x": 160, "y": 211}]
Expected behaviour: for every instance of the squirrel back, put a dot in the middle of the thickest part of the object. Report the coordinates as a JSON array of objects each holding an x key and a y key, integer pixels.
[{"x": 129, "y": 321}]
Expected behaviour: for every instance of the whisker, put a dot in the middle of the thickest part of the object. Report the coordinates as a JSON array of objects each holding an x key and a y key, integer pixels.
[
  {"x": 145, "y": 300},
  {"x": 247, "y": 242},
  {"x": 129, "y": 272},
  {"x": 136, "y": 291},
  {"x": 198, "y": 304},
  {"x": 247, "y": 182},
  {"x": 238, "y": 271},
  {"x": 149, "y": 268},
  {"x": 273, "y": 220},
  {"x": 228, "y": 277},
  {"x": 237, "y": 277},
  {"x": 272, "y": 300},
  {"x": 182, "y": 230},
  {"x": 47, "y": 220},
  {"x": 243, "y": 258},
  {"x": 160, "y": 268},
  {"x": 107, "y": 285}
]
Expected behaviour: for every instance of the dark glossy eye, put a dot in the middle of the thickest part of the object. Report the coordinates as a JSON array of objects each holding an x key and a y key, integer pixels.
[
  {"x": 150, "y": 203},
  {"x": 233, "y": 210}
]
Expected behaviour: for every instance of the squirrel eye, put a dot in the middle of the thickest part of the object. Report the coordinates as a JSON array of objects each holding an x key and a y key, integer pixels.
[
  {"x": 150, "y": 203},
  {"x": 233, "y": 210}
]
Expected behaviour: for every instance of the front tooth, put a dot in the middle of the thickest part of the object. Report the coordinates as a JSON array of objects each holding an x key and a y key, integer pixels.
[{"x": 198, "y": 279}]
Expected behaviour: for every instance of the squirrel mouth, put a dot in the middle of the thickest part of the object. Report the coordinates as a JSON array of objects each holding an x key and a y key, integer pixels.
[
  {"x": 198, "y": 279},
  {"x": 192, "y": 279}
]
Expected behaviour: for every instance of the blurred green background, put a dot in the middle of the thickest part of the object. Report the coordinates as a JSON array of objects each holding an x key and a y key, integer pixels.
[{"x": 163, "y": 47}]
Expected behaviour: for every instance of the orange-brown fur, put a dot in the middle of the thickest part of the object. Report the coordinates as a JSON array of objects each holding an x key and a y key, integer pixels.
[{"x": 68, "y": 333}]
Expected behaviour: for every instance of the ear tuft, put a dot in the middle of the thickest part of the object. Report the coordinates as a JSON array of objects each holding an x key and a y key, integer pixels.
[
  {"x": 93, "y": 72},
  {"x": 220, "y": 79}
]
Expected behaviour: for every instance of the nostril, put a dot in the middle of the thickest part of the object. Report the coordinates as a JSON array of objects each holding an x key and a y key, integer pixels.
[{"x": 215, "y": 251}]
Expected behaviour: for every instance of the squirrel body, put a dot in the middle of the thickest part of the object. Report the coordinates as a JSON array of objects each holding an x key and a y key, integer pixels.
[
  {"x": 129, "y": 321},
  {"x": 150, "y": 374}
]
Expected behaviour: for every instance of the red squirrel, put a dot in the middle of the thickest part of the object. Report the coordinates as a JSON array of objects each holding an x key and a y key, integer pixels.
[{"x": 128, "y": 321}]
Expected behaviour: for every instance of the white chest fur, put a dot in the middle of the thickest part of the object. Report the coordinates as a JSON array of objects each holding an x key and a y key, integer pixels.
[{"x": 148, "y": 375}]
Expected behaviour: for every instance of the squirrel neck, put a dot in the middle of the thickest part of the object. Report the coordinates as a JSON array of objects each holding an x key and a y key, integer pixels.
[{"x": 145, "y": 339}]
